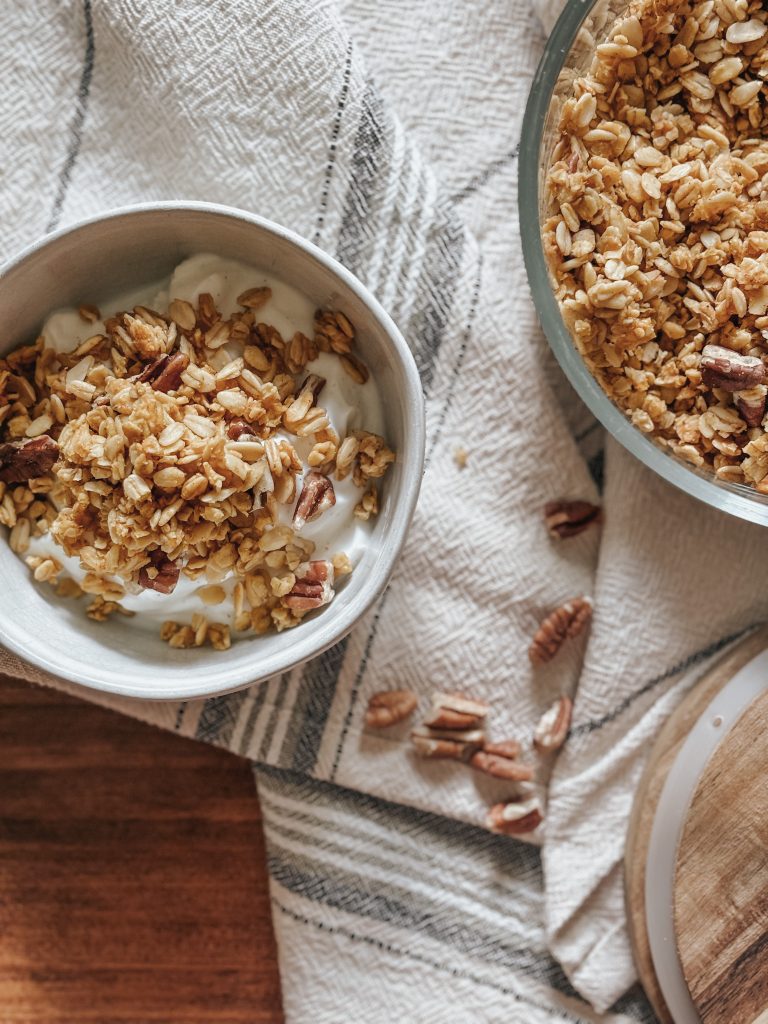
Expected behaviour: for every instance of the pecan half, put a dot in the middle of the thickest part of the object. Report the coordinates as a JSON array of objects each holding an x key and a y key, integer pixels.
[
  {"x": 437, "y": 743},
  {"x": 237, "y": 428},
  {"x": 731, "y": 371},
  {"x": 552, "y": 730},
  {"x": 161, "y": 575},
  {"x": 152, "y": 369},
  {"x": 169, "y": 378},
  {"x": 751, "y": 404},
  {"x": 451, "y": 750},
  {"x": 24, "y": 460},
  {"x": 313, "y": 587},
  {"x": 454, "y": 711},
  {"x": 501, "y": 767},
  {"x": 505, "y": 748},
  {"x": 389, "y": 708},
  {"x": 516, "y": 818},
  {"x": 567, "y": 518},
  {"x": 567, "y": 621},
  {"x": 164, "y": 373},
  {"x": 317, "y": 495}
]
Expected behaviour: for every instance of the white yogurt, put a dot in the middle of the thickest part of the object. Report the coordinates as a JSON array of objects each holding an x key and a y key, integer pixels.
[{"x": 350, "y": 406}]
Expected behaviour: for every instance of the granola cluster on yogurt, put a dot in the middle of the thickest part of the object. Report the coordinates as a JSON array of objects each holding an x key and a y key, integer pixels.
[
  {"x": 188, "y": 450},
  {"x": 658, "y": 228}
]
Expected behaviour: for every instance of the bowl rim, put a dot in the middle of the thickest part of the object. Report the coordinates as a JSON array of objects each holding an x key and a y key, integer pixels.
[
  {"x": 734, "y": 499},
  {"x": 230, "y": 678}
]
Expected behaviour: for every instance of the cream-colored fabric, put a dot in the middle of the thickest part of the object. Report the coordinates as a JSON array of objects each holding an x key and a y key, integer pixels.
[{"x": 387, "y": 132}]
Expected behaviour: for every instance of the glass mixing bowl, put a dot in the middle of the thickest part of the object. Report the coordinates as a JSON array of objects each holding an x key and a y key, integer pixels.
[{"x": 581, "y": 27}]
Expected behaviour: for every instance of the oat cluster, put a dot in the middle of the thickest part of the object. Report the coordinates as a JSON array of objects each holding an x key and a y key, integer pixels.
[
  {"x": 658, "y": 233},
  {"x": 149, "y": 454}
]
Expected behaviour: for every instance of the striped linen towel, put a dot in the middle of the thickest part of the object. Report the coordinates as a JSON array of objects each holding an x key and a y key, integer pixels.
[{"x": 392, "y": 903}]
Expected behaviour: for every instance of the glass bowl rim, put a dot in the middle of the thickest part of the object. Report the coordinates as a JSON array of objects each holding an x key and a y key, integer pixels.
[{"x": 736, "y": 500}]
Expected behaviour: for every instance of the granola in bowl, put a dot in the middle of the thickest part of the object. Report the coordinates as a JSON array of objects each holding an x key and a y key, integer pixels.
[
  {"x": 657, "y": 236},
  {"x": 203, "y": 457}
]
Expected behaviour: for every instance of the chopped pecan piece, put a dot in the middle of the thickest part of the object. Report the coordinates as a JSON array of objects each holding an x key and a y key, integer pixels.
[
  {"x": 567, "y": 518},
  {"x": 161, "y": 574},
  {"x": 238, "y": 428},
  {"x": 515, "y": 818},
  {"x": 451, "y": 750},
  {"x": 751, "y": 404},
  {"x": 313, "y": 587},
  {"x": 153, "y": 369},
  {"x": 164, "y": 373},
  {"x": 317, "y": 495},
  {"x": 438, "y": 743},
  {"x": 389, "y": 708},
  {"x": 453, "y": 711},
  {"x": 552, "y": 730},
  {"x": 24, "y": 460},
  {"x": 567, "y": 621},
  {"x": 444, "y": 718},
  {"x": 501, "y": 767},
  {"x": 731, "y": 371}
]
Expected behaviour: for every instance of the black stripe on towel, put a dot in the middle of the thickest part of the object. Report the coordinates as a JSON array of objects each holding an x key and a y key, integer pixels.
[
  {"x": 76, "y": 131},
  {"x": 693, "y": 659}
]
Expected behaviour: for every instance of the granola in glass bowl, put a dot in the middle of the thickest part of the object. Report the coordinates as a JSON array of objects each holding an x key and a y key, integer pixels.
[{"x": 657, "y": 234}]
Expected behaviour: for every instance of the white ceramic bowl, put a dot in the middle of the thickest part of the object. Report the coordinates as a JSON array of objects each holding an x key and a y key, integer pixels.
[{"x": 127, "y": 248}]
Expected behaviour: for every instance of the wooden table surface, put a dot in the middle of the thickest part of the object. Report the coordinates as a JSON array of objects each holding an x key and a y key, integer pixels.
[{"x": 132, "y": 878}]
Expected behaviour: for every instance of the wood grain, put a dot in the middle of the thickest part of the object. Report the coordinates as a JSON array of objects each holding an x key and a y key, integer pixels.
[
  {"x": 647, "y": 797},
  {"x": 132, "y": 873},
  {"x": 721, "y": 883}
]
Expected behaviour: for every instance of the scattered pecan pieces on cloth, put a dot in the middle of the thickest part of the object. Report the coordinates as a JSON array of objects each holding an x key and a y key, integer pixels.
[
  {"x": 458, "y": 745},
  {"x": 390, "y": 707},
  {"x": 552, "y": 730},
  {"x": 504, "y": 748},
  {"x": 567, "y": 621},
  {"x": 454, "y": 711},
  {"x": 568, "y": 518},
  {"x": 501, "y": 767},
  {"x": 516, "y": 817}
]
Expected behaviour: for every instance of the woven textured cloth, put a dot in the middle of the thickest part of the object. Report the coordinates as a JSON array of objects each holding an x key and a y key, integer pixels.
[{"x": 391, "y": 901}]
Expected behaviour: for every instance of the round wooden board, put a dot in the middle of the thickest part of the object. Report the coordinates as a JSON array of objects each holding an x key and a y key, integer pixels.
[
  {"x": 661, "y": 759},
  {"x": 721, "y": 879}
]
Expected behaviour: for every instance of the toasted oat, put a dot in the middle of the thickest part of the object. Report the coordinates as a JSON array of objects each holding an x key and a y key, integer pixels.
[{"x": 89, "y": 313}]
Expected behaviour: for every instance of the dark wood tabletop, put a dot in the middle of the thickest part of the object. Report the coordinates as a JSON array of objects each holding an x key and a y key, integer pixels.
[{"x": 132, "y": 878}]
